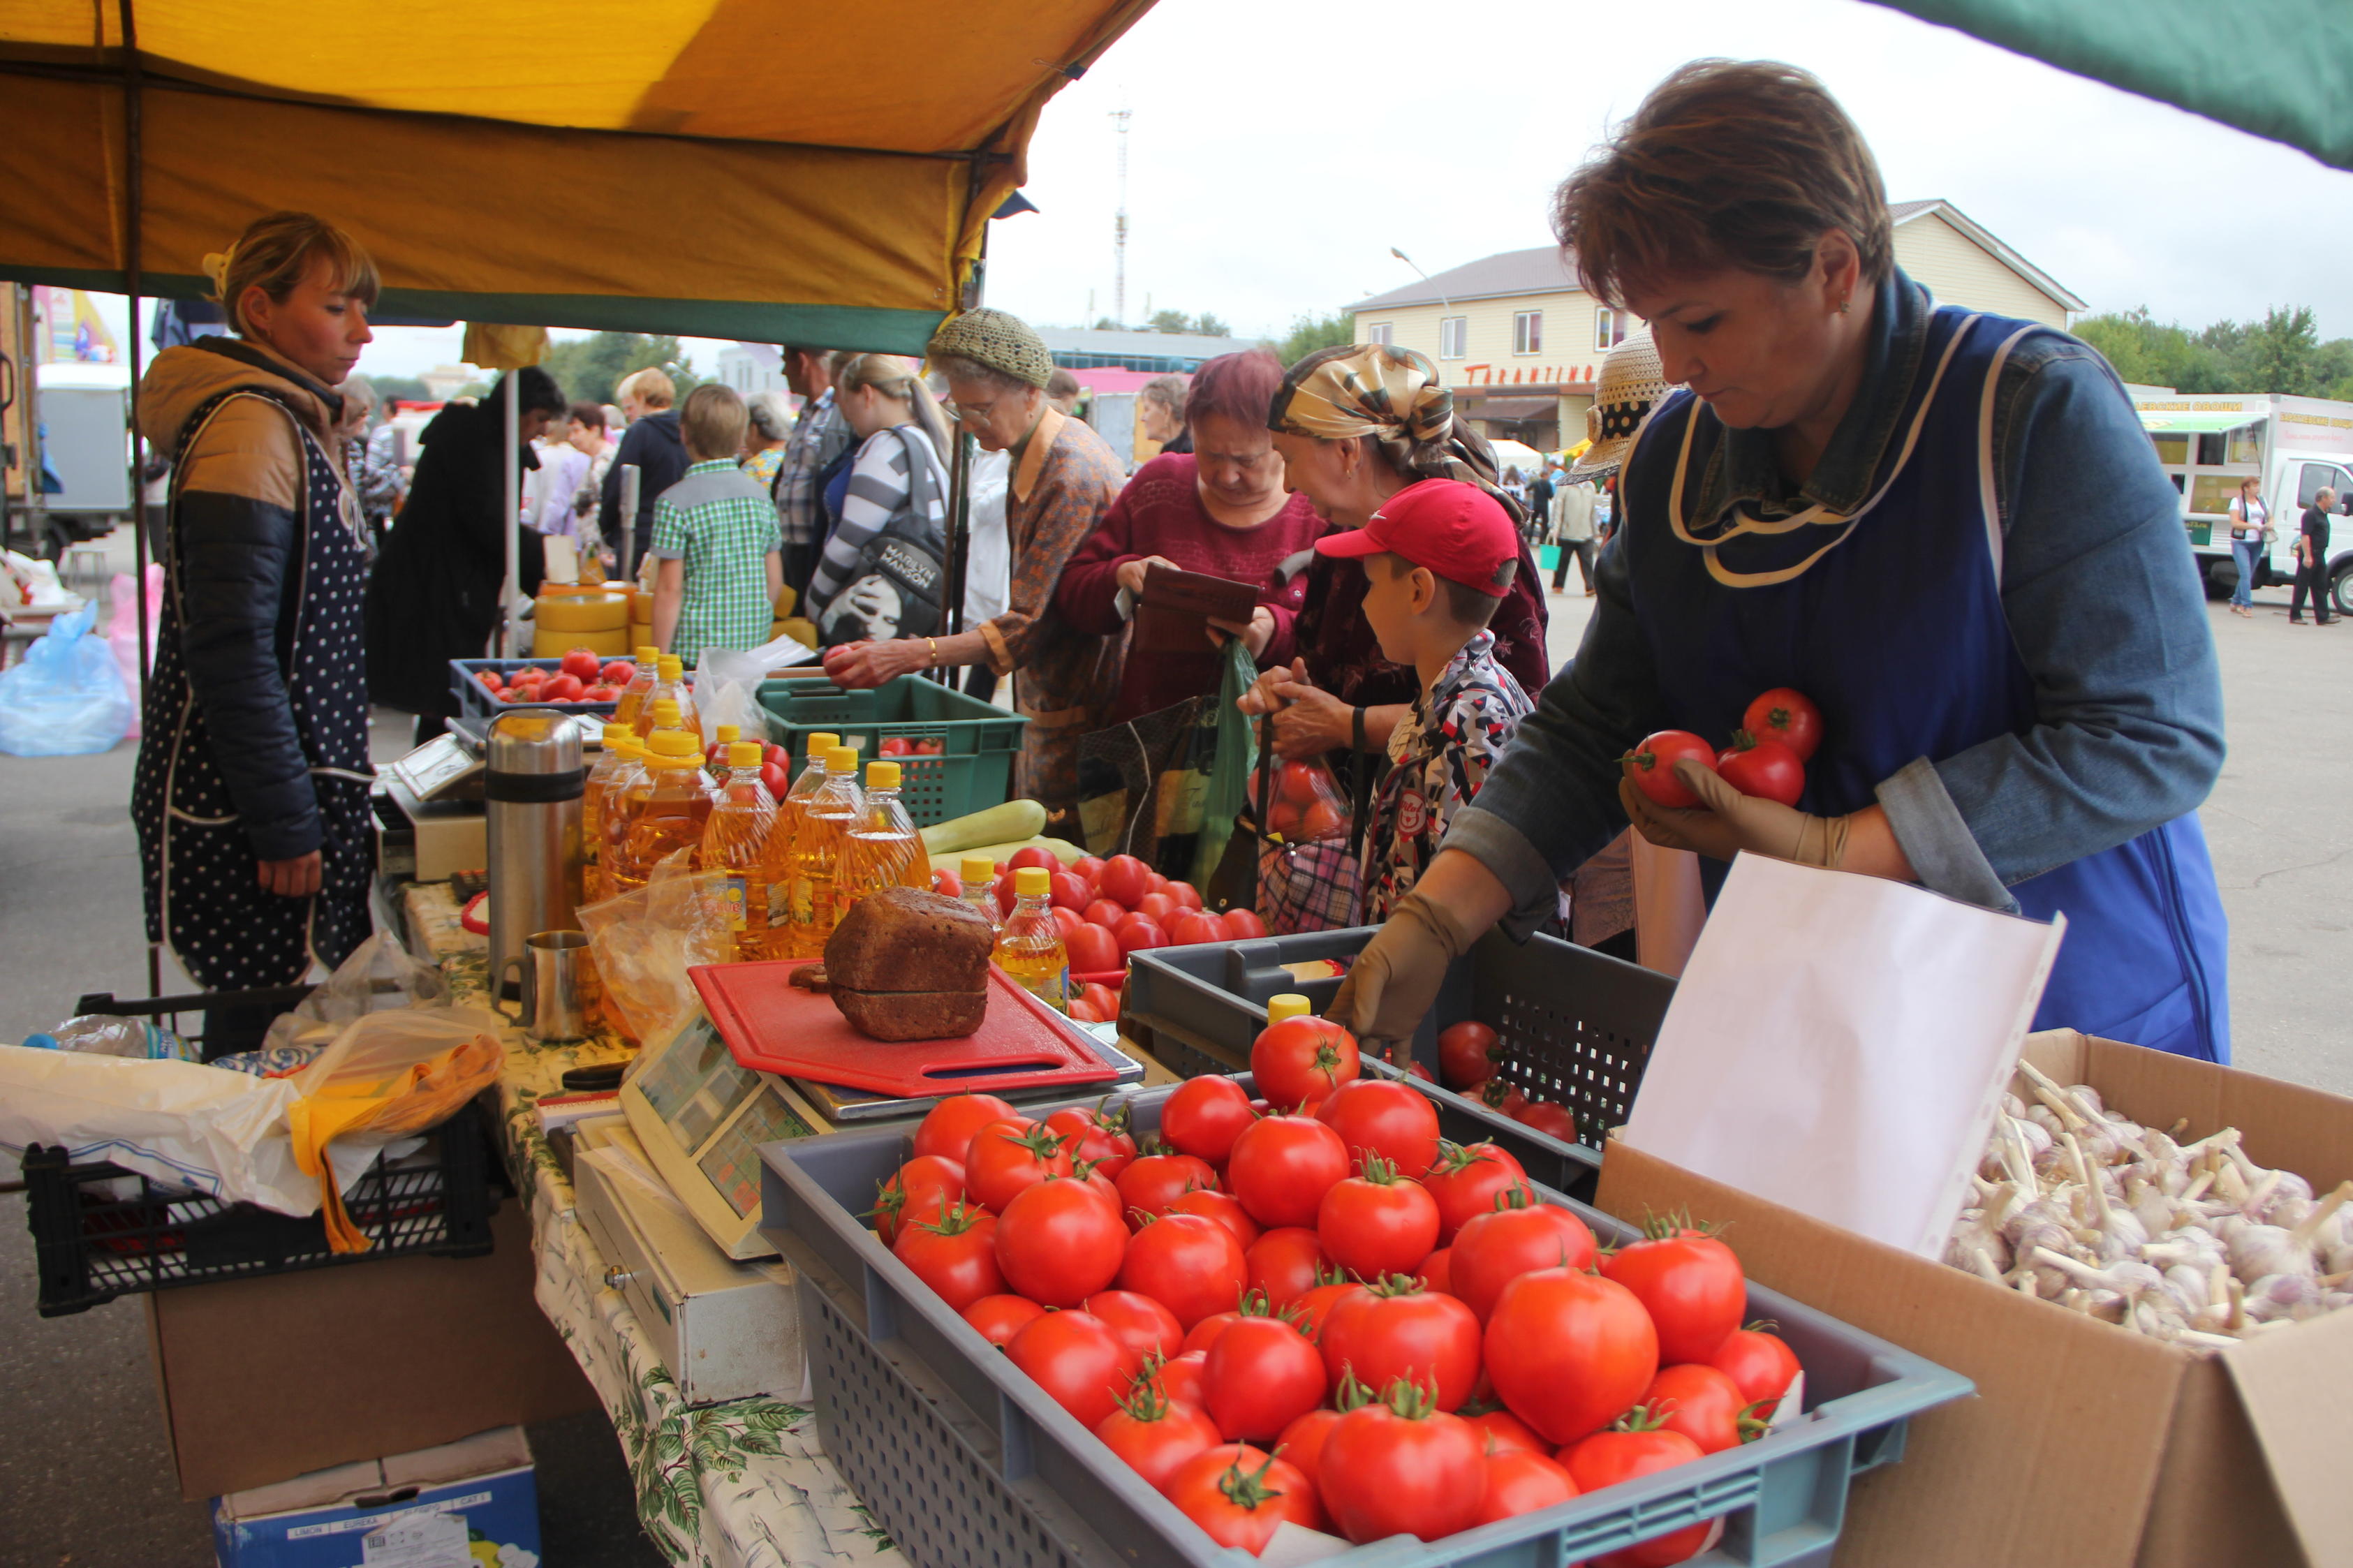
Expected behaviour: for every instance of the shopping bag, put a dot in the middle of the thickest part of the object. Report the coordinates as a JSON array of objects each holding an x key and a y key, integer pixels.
[
  {"x": 727, "y": 686},
  {"x": 67, "y": 698},
  {"x": 1168, "y": 786}
]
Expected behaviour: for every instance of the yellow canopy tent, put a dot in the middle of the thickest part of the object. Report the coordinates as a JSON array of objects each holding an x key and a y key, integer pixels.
[{"x": 725, "y": 168}]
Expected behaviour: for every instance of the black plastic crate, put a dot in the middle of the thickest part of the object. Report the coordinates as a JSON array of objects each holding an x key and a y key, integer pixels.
[{"x": 1576, "y": 1026}]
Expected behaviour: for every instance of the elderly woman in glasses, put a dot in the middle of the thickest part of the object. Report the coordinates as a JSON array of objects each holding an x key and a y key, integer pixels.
[{"x": 1064, "y": 480}]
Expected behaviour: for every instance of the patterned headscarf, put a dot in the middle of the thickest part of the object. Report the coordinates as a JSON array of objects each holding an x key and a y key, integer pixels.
[{"x": 1394, "y": 395}]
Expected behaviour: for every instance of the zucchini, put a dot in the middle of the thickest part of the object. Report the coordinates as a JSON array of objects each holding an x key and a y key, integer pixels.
[
  {"x": 1064, "y": 851},
  {"x": 1011, "y": 823}
]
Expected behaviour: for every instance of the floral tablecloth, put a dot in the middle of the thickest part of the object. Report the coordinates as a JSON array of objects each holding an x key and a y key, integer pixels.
[{"x": 742, "y": 1484}]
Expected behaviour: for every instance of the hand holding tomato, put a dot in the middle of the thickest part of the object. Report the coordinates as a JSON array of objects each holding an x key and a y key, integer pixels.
[
  {"x": 1725, "y": 822},
  {"x": 1788, "y": 716}
]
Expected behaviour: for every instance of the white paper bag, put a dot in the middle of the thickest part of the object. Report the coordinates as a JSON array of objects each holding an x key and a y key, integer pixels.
[{"x": 1839, "y": 1045}]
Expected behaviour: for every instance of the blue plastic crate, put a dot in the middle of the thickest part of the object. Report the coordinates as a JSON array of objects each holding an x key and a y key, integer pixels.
[{"x": 966, "y": 1462}]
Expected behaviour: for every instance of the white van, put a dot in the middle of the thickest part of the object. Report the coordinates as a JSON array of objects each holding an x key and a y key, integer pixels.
[{"x": 2300, "y": 446}]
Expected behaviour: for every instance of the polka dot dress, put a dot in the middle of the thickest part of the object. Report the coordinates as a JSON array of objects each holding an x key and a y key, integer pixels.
[{"x": 205, "y": 899}]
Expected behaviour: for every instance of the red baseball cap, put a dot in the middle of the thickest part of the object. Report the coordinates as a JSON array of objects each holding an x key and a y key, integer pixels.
[{"x": 1456, "y": 530}]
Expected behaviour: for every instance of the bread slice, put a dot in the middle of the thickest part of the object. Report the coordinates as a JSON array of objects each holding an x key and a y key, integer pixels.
[{"x": 906, "y": 964}]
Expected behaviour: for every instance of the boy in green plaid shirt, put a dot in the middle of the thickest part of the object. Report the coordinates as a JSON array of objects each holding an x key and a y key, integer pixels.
[{"x": 715, "y": 537}]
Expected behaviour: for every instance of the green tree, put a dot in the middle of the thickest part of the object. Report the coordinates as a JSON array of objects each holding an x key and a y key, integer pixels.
[
  {"x": 1211, "y": 326},
  {"x": 2283, "y": 355},
  {"x": 588, "y": 368},
  {"x": 1171, "y": 322},
  {"x": 1309, "y": 333}
]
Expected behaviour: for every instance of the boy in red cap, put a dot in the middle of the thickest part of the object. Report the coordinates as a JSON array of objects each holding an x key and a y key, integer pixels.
[{"x": 1439, "y": 556}]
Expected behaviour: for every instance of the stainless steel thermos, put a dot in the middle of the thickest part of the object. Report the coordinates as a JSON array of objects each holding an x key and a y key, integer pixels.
[{"x": 531, "y": 784}]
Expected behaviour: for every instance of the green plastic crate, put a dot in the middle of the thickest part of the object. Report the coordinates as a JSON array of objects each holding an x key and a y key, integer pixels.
[{"x": 974, "y": 773}]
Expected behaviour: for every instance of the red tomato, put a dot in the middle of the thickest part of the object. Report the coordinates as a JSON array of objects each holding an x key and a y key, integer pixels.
[
  {"x": 947, "y": 1128},
  {"x": 1314, "y": 1307},
  {"x": 1301, "y": 783},
  {"x": 1322, "y": 820},
  {"x": 893, "y": 746},
  {"x": 1286, "y": 1264},
  {"x": 1240, "y": 1496},
  {"x": 999, "y": 1318},
  {"x": 490, "y": 679},
  {"x": 619, "y": 672},
  {"x": 1608, "y": 1457},
  {"x": 1384, "y": 1117},
  {"x": 1519, "y": 1482},
  {"x": 1506, "y": 1433},
  {"x": 1089, "y": 867},
  {"x": 1124, "y": 881},
  {"x": 1402, "y": 1468},
  {"x": 1159, "y": 907},
  {"x": 1223, "y": 1208},
  {"x": 921, "y": 1189},
  {"x": 1467, "y": 1181},
  {"x": 1155, "y": 1435},
  {"x": 1069, "y": 892},
  {"x": 1149, "y": 1328},
  {"x": 778, "y": 781},
  {"x": 1102, "y": 1144},
  {"x": 1187, "y": 895},
  {"x": 1189, "y": 1264},
  {"x": 1078, "y": 1012},
  {"x": 1502, "y": 1094},
  {"x": 1138, "y": 931},
  {"x": 1569, "y": 1352},
  {"x": 582, "y": 662},
  {"x": 1008, "y": 1155},
  {"x": 1392, "y": 1331},
  {"x": 1202, "y": 1336},
  {"x": 1006, "y": 896},
  {"x": 1282, "y": 1166},
  {"x": 1204, "y": 1117},
  {"x": 1765, "y": 768},
  {"x": 1692, "y": 1284},
  {"x": 1153, "y": 1182},
  {"x": 1032, "y": 855},
  {"x": 1466, "y": 1054},
  {"x": 1438, "y": 1272},
  {"x": 1065, "y": 921},
  {"x": 563, "y": 689},
  {"x": 1103, "y": 913},
  {"x": 1262, "y": 1376},
  {"x": 1763, "y": 1365},
  {"x": 1100, "y": 997},
  {"x": 1699, "y": 1402},
  {"x": 1654, "y": 766},
  {"x": 1788, "y": 716},
  {"x": 1092, "y": 950},
  {"x": 1378, "y": 1224},
  {"x": 1302, "y": 1442},
  {"x": 1492, "y": 1249},
  {"x": 947, "y": 884},
  {"x": 1078, "y": 1360},
  {"x": 1179, "y": 1378},
  {"x": 1545, "y": 1116},
  {"x": 1057, "y": 1242},
  {"x": 955, "y": 1254},
  {"x": 1243, "y": 925},
  {"x": 1191, "y": 928},
  {"x": 1301, "y": 1059}
]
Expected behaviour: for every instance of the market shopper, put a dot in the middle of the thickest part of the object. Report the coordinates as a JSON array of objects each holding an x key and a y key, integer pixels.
[
  {"x": 368, "y": 461},
  {"x": 2312, "y": 562},
  {"x": 2250, "y": 533},
  {"x": 1160, "y": 412},
  {"x": 254, "y": 841},
  {"x": 1064, "y": 478},
  {"x": 820, "y": 438},
  {"x": 434, "y": 596},
  {"x": 1949, "y": 531},
  {"x": 1221, "y": 510},
  {"x": 585, "y": 428},
  {"x": 883, "y": 571},
  {"x": 764, "y": 439},
  {"x": 651, "y": 444}
]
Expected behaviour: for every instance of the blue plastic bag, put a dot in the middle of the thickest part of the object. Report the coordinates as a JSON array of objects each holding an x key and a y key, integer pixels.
[{"x": 67, "y": 698}]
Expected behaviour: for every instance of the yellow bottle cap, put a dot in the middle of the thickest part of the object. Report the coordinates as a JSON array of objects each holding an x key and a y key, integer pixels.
[
  {"x": 978, "y": 869},
  {"x": 881, "y": 776},
  {"x": 1033, "y": 882},
  {"x": 820, "y": 742},
  {"x": 666, "y": 714},
  {"x": 648, "y": 655},
  {"x": 727, "y": 735},
  {"x": 670, "y": 668},
  {"x": 1290, "y": 1005},
  {"x": 673, "y": 749},
  {"x": 841, "y": 759},
  {"x": 742, "y": 754},
  {"x": 616, "y": 733}
]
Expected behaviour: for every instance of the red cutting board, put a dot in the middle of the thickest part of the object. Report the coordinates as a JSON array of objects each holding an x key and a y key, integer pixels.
[{"x": 772, "y": 1025}]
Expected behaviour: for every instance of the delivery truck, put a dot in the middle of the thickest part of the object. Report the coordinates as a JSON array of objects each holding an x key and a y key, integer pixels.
[{"x": 2297, "y": 446}]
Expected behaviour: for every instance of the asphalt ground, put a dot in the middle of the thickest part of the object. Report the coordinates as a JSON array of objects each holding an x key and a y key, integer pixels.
[{"x": 85, "y": 1477}]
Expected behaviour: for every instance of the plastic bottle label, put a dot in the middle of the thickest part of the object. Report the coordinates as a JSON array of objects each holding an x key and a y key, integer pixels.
[{"x": 731, "y": 897}]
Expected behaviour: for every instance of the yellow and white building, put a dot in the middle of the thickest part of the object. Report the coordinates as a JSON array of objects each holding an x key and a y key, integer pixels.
[{"x": 1520, "y": 343}]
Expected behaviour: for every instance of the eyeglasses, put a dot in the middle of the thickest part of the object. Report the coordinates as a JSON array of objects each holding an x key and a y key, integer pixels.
[{"x": 973, "y": 412}]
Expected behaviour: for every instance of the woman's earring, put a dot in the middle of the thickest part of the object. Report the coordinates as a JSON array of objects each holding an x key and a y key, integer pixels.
[{"x": 1845, "y": 303}]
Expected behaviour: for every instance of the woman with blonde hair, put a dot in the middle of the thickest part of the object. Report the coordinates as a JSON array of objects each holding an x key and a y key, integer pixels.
[
  {"x": 251, "y": 794},
  {"x": 883, "y": 569}
]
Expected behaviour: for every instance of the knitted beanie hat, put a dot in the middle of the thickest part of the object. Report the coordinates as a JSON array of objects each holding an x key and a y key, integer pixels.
[{"x": 1002, "y": 342}]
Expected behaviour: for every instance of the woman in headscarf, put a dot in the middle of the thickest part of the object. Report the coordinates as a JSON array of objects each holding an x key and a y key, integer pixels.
[{"x": 1355, "y": 425}]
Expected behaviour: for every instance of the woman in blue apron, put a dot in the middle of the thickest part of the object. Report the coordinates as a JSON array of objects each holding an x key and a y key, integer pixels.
[{"x": 1947, "y": 529}]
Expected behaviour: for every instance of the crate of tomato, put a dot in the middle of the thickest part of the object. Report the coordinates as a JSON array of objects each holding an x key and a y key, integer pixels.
[
  {"x": 1184, "y": 1321},
  {"x": 581, "y": 682}
]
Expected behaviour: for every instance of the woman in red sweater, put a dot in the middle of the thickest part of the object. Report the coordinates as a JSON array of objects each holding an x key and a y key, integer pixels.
[{"x": 1221, "y": 510}]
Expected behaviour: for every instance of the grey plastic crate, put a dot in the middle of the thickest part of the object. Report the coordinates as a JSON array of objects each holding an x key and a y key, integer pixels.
[
  {"x": 1576, "y": 1026},
  {"x": 968, "y": 1463}
]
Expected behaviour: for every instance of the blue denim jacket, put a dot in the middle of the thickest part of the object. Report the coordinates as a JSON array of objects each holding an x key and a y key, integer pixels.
[{"x": 2104, "y": 603}]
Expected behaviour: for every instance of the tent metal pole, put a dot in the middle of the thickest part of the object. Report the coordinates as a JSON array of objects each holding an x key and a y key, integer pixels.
[
  {"x": 513, "y": 412},
  {"x": 133, "y": 194}
]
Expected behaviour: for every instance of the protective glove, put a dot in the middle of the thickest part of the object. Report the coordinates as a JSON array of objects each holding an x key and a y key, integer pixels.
[
  {"x": 1394, "y": 982},
  {"x": 1726, "y": 822}
]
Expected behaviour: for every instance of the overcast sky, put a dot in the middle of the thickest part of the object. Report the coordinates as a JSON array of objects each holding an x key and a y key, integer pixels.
[{"x": 1277, "y": 151}]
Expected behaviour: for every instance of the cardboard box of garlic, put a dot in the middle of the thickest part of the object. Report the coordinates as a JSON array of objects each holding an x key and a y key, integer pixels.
[{"x": 2211, "y": 1431}]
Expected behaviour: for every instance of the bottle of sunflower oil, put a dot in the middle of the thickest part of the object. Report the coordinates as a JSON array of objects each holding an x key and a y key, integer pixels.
[
  {"x": 1030, "y": 949},
  {"x": 675, "y": 811},
  {"x": 638, "y": 692},
  {"x": 624, "y": 795},
  {"x": 736, "y": 841},
  {"x": 780, "y": 837},
  {"x": 619, "y": 745},
  {"x": 979, "y": 880},
  {"x": 818, "y": 840},
  {"x": 669, "y": 682},
  {"x": 883, "y": 851},
  {"x": 720, "y": 766}
]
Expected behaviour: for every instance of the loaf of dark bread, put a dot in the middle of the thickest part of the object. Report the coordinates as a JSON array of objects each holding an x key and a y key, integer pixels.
[{"x": 905, "y": 964}]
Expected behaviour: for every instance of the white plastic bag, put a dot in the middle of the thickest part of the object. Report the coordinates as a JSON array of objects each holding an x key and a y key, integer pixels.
[
  {"x": 67, "y": 698},
  {"x": 378, "y": 976},
  {"x": 727, "y": 686}
]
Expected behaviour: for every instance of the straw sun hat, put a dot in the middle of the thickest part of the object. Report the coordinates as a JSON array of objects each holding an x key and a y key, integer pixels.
[{"x": 1630, "y": 385}]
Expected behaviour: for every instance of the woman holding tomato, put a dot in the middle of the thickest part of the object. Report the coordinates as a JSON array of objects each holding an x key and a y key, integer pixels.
[{"x": 1948, "y": 530}]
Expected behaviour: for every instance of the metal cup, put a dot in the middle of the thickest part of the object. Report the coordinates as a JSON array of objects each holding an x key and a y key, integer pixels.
[{"x": 553, "y": 1007}]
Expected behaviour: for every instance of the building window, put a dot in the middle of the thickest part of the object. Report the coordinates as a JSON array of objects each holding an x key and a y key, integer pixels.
[
  {"x": 1527, "y": 332},
  {"x": 1380, "y": 333},
  {"x": 1452, "y": 332},
  {"x": 1608, "y": 329}
]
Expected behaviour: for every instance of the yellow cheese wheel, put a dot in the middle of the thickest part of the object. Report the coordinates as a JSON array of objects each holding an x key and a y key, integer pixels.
[
  {"x": 546, "y": 641},
  {"x": 577, "y": 612}
]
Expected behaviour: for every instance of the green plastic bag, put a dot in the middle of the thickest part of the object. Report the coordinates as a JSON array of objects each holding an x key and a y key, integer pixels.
[{"x": 1165, "y": 787}]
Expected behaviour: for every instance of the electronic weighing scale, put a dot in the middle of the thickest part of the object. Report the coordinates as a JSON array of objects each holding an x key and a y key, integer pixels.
[{"x": 429, "y": 805}]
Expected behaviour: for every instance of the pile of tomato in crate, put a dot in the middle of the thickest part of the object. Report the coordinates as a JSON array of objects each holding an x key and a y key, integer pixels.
[
  {"x": 1308, "y": 1307},
  {"x": 580, "y": 676}
]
